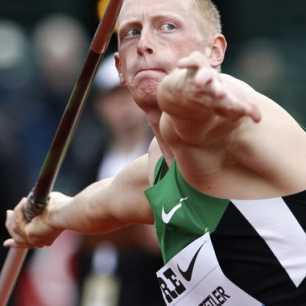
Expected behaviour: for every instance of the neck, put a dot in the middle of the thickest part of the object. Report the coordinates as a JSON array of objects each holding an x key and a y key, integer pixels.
[{"x": 153, "y": 118}]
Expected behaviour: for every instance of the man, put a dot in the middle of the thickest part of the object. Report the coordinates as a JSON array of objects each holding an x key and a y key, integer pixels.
[{"x": 220, "y": 139}]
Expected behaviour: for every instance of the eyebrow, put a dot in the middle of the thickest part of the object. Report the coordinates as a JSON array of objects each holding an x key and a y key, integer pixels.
[
  {"x": 127, "y": 25},
  {"x": 134, "y": 21}
]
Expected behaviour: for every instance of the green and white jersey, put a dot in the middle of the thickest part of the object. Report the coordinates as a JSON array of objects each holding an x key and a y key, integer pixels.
[{"x": 228, "y": 252}]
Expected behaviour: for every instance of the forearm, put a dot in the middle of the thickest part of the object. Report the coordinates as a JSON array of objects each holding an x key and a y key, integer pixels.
[
  {"x": 101, "y": 207},
  {"x": 88, "y": 212},
  {"x": 106, "y": 205}
]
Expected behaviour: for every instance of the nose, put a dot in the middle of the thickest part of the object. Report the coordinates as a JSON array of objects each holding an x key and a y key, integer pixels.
[{"x": 145, "y": 44}]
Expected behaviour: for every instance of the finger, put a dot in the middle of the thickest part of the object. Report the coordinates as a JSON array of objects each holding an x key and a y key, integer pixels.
[
  {"x": 234, "y": 110},
  {"x": 215, "y": 89},
  {"x": 188, "y": 63},
  {"x": 20, "y": 209},
  {"x": 8, "y": 243},
  {"x": 208, "y": 80},
  {"x": 14, "y": 227},
  {"x": 203, "y": 77},
  {"x": 41, "y": 234},
  {"x": 10, "y": 222},
  {"x": 254, "y": 113},
  {"x": 11, "y": 243},
  {"x": 212, "y": 89},
  {"x": 228, "y": 111},
  {"x": 229, "y": 107},
  {"x": 194, "y": 61},
  {"x": 248, "y": 110},
  {"x": 17, "y": 238}
]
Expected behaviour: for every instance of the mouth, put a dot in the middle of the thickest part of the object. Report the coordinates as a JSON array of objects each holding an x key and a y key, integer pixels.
[{"x": 148, "y": 70}]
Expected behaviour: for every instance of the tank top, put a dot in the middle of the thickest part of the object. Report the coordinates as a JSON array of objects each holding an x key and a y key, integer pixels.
[{"x": 226, "y": 251}]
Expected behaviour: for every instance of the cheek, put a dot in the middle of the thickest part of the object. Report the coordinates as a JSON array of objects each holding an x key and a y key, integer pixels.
[
  {"x": 127, "y": 64},
  {"x": 184, "y": 50},
  {"x": 184, "y": 44}
]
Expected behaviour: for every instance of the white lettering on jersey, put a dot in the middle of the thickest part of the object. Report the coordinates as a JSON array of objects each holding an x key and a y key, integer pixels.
[{"x": 194, "y": 277}]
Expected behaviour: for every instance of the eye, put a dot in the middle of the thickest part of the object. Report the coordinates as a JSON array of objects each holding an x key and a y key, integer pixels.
[
  {"x": 131, "y": 33},
  {"x": 168, "y": 27}
]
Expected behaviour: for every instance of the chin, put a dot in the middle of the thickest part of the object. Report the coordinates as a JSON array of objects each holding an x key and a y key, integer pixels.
[
  {"x": 145, "y": 93},
  {"x": 146, "y": 101}
]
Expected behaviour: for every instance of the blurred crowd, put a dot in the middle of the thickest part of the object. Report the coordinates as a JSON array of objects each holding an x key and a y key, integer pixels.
[
  {"x": 36, "y": 76},
  {"x": 37, "y": 72}
]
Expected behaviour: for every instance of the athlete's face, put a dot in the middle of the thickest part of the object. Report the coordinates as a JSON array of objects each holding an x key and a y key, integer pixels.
[{"x": 153, "y": 36}]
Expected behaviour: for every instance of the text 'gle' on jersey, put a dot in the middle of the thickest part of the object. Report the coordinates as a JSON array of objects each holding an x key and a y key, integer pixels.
[{"x": 260, "y": 245}]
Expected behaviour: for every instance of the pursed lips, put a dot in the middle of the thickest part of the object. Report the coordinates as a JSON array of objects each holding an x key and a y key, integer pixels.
[{"x": 150, "y": 69}]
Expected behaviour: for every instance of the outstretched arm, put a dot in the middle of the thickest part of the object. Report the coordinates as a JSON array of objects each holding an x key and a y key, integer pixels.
[
  {"x": 103, "y": 206},
  {"x": 225, "y": 135}
]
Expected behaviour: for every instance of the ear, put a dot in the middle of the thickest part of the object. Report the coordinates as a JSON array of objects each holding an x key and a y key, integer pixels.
[
  {"x": 118, "y": 66},
  {"x": 217, "y": 51}
]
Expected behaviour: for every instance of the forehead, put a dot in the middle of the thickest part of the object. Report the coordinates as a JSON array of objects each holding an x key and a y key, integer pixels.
[{"x": 141, "y": 9}]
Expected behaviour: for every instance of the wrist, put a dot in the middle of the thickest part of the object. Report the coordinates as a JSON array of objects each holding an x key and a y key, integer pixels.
[{"x": 56, "y": 210}]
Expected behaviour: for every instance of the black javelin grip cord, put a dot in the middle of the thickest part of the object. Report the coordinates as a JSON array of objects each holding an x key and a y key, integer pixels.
[{"x": 38, "y": 198}]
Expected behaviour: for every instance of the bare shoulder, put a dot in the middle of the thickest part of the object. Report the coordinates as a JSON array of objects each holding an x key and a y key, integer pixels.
[
  {"x": 135, "y": 173},
  {"x": 129, "y": 186}
]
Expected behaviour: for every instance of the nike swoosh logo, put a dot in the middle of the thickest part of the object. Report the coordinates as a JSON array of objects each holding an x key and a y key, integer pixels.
[
  {"x": 166, "y": 217},
  {"x": 188, "y": 273}
]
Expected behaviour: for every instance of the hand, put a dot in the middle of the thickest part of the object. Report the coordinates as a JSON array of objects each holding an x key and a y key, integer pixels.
[
  {"x": 37, "y": 233},
  {"x": 200, "y": 87}
]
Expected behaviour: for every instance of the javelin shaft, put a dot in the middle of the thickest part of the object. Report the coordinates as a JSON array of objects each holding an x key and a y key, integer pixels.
[
  {"x": 70, "y": 118},
  {"x": 38, "y": 198},
  {"x": 61, "y": 141}
]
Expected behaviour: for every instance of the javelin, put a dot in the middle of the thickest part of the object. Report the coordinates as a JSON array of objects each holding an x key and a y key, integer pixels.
[{"x": 38, "y": 198}]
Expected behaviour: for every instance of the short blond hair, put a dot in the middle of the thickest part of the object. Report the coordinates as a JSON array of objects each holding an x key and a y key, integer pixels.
[{"x": 210, "y": 14}]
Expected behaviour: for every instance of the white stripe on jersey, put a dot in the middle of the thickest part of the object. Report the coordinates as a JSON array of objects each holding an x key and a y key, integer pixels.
[{"x": 275, "y": 223}]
